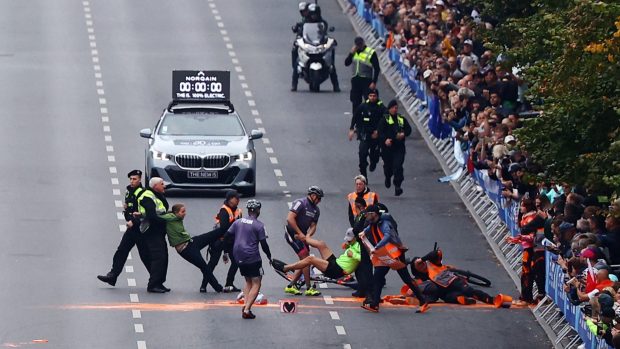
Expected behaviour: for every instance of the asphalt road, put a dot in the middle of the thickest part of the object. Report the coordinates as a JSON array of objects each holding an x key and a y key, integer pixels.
[{"x": 81, "y": 78}]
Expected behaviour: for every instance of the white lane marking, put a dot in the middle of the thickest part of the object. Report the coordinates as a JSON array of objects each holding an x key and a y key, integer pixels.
[
  {"x": 129, "y": 268},
  {"x": 236, "y": 61},
  {"x": 223, "y": 32},
  {"x": 244, "y": 86},
  {"x": 238, "y": 69},
  {"x": 122, "y": 228},
  {"x": 120, "y": 216},
  {"x": 95, "y": 59},
  {"x": 90, "y": 30},
  {"x": 131, "y": 282},
  {"x": 85, "y": 3},
  {"x": 288, "y": 195},
  {"x": 220, "y": 24},
  {"x": 99, "y": 83},
  {"x": 322, "y": 285},
  {"x": 258, "y": 120},
  {"x": 114, "y": 180},
  {"x": 111, "y": 158},
  {"x": 255, "y": 112},
  {"x": 94, "y": 52},
  {"x": 97, "y": 67},
  {"x": 86, "y": 8},
  {"x": 229, "y": 46},
  {"x": 103, "y": 110},
  {"x": 129, "y": 256},
  {"x": 225, "y": 38},
  {"x": 282, "y": 183},
  {"x": 248, "y": 93},
  {"x": 89, "y": 23},
  {"x": 118, "y": 203},
  {"x": 112, "y": 169},
  {"x": 92, "y": 38},
  {"x": 136, "y": 314},
  {"x": 212, "y": 5},
  {"x": 109, "y": 148},
  {"x": 105, "y": 119},
  {"x": 334, "y": 315},
  {"x": 340, "y": 330},
  {"x": 232, "y": 53},
  {"x": 328, "y": 300},
  {"x": 277, "y": 172},
  {"x": 108, "y": 138},
  {"x": 241, "y": 77},
  {"x": 346, "y": 346},
  {"x": 266, "y": 140},
  {"x": 100, "y": 91},
  {"x": 102, "y": 101},
  {"x": 218, "y": 18},
  {"x": 138, "y": 328},
  {"x": 262, "y": 129},
  {"x": 87, "y": 15},
  {"x": 269, "y": 150},
  {"x": 141, "y": 345},
  {"x": 116, "y": 192},
  {"x": 133, "y": 298},
  {"x": 273, "y": 160},
  {"x": 93, "y": 44},
  {"x": 251, "y": 103},
  {"x": 98, "y": 75},
  {"x": 215, "y": 11},
  {"x": 106, "y": 128}
]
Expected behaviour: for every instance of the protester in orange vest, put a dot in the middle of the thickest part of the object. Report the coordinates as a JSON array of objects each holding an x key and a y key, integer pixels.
[
  {"x": 450, "y": 287},
  {"x": 229, "y": 212},
  {"x": 361, "y": 190},
  {"x": 380, "y": 232}
]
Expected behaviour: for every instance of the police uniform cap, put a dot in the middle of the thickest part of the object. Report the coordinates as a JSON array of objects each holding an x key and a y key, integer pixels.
[
  {"x": 392, "y": 103},
  {"x": 134, "y": 173},
  {"x": 373, "y": 209},
  {"x": 232, "y": 194},
  {"x": 373, "y": 91}
]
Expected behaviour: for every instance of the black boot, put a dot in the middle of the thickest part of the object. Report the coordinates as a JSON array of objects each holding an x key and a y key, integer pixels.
[{"x": 109, "y": 278}]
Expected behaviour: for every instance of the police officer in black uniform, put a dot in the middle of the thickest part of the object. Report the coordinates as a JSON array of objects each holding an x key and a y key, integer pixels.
[
  {"x": 366, "y": 69},
  {"x": 298, "y": 29},
  {"x": 151, "y": 204},
  {"x": 364, "y": 122},
  {"x": 132, "y": 236},
  {"x": 393, "y": 128}
]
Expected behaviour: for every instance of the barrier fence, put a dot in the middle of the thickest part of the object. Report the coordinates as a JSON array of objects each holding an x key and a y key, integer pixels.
[{"x": 495, "y": 215}]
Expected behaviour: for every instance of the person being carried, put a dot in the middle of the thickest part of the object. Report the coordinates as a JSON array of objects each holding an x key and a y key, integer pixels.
[
  {"x": 328, "y": 264},
  {"x": 189, "y": 247}
]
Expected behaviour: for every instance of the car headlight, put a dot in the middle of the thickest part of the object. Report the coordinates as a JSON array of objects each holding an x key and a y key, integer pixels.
[
  {"x": 247, "y": 156},
  {"x": 159, "y": 155}
]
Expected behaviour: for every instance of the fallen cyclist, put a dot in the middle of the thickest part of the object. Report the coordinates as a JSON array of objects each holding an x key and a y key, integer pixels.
[
  {"x": 440, "y": 281},
  {"x": 328, "y": 264}
]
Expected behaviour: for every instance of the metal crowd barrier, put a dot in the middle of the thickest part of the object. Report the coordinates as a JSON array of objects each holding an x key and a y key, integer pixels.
[{"x": 563, "y": 322}]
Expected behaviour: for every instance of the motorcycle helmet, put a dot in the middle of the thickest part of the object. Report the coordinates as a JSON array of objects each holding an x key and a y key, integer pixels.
[{"x": 303, "y": 6}]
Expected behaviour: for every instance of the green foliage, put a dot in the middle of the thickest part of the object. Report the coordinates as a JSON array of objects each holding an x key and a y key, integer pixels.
[{"x": 569, "y": 51}]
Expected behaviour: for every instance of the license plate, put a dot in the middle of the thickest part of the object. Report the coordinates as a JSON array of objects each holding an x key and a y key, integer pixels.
[{"x": 202, "y": 174}]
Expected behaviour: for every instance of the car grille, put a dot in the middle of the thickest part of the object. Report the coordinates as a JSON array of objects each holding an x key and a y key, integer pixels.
[
  {"x": 224, "y": 177},
  {"x": 215, "y": 161},
  {"x": 196, "y": 162},
  {"x": 188, "y": 161}
]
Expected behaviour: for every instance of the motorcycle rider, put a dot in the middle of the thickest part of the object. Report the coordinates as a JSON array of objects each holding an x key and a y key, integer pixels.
[
  {"x": 364, "y": 122},
  {"x": 298, "y": 29}
]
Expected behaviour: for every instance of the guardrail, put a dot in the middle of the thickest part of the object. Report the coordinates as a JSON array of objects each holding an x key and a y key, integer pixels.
[{"x": 563, "y": 322}]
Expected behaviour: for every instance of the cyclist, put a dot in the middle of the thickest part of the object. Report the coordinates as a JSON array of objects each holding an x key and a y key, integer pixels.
[
  {"x": 331, "y": 266},
  {"x": 301, "y": 222}
]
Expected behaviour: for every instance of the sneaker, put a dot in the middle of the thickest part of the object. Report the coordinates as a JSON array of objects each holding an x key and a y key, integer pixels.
[
  {"x": 370, "y": 307},
  {"x": 312, "y": 292},
  {"x": 249, "y": 315},
  {"x": 278, "y": 265},
  {"x": 230, "y": 288},
  {"x": 423, "y": 308},
  {"x": 292, "y": 289}
]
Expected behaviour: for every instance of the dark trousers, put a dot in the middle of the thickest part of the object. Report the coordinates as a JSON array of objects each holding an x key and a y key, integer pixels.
[
  {"x": 131, "y": 238},
  {"x": 294, "y": 56},
  {"x": 538, "y": 268},
  {"x": 215, "y": 252},
  {"x": 363, "y": 274},
  {"x": 158, "y": 252},
  {"x": 368, "y": 148},
  {"x": 527, "y": 276},
  {"x": 379, "y": 282},
  {"x": 460, "y": 288},
  {"x": 393, "y": 159},
  {"x": 192, "y": 253},
  {"x": 359, "y": 91}
]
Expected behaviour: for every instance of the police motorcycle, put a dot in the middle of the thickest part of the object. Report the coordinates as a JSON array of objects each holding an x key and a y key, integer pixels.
[{"x": 316, "y": 53}]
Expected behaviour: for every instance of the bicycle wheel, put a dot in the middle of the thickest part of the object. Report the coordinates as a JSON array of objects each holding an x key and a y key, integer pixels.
[{"x": 472, "y": 278}]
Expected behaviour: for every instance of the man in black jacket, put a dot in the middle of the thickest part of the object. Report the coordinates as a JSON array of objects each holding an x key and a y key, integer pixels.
[
  {"x": 393, "y": 129},
  {"x": 366, "y": 69},
  {"x": 132, "y": 236},
  {"x": 364, "y": 122},
  {"x": 151, "y": 204}
]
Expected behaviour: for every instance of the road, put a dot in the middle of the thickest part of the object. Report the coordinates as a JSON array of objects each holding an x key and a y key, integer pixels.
[{"x": 81, "y": 78}]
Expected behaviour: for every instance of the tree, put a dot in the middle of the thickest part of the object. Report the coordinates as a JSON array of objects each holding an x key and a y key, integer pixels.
[{"x": 569, "y": 51}]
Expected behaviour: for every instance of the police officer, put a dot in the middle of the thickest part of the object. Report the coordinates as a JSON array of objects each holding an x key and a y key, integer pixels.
[
  {"x": 229, "y": 212},
  {"x": 366, "y": 69},
  {"x": 393, "y": 128},
  {"x": 151, "y": 204},
  {"x": 132, "y": 236},
  {"x": 364, "y": 122},
  {"x": 298, "y": 29}
]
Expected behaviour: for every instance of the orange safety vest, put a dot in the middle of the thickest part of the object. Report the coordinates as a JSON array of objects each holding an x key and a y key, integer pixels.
[
  {"x": 371, "y": 198},
  {"x": 232, "y": 216},
  {"x": 440, "y": 274},
  {"x": 392, "y": 249}
]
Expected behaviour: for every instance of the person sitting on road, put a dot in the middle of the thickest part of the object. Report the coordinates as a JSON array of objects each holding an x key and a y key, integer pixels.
[{"x": 328, "y": 264}]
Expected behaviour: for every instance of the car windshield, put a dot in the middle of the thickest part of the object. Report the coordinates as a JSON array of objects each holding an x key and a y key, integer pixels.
[
  {"x": 201, "y": 124},
  {"x": 314, "y": 33}
]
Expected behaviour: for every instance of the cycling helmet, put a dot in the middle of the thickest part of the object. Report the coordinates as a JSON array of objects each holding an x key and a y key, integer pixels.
[
  {"x": 253, "y": 205},
  {"x": 315, "y": 189},
  {"x": 303, "y": 6}
]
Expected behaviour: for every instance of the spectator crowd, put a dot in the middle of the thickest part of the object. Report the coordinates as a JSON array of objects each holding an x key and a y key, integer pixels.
[{"x": 481, "y": 98}]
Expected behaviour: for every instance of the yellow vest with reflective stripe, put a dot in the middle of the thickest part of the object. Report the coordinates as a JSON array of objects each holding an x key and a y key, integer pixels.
[
  {"x": 362, "y": 66},
  {"x": 390, "y": 120},
  {"x": 159, "y": 205}
]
